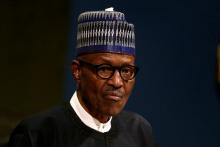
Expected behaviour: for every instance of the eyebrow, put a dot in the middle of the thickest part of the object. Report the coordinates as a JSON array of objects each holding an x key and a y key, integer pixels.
[{"x": 106, "y": 60}]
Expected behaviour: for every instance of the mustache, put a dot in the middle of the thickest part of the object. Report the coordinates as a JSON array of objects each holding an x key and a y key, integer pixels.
[{"x": 115, "y": 92}]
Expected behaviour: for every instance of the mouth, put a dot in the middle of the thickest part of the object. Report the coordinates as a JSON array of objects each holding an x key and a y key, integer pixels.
[{"x": 113, "y": 96}]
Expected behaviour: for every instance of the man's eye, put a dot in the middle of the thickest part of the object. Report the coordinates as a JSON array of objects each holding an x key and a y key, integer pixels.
[
  {"x": 126, "y": 70},
  {"x": 105, "y": 69}
]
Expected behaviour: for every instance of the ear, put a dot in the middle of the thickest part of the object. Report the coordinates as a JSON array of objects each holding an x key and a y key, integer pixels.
[{"x": 75, "y": 70}]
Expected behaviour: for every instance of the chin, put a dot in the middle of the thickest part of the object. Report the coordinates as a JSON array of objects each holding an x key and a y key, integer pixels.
[
  {"x": 114, "y": 112},
  {"x": 113, "y": 109}
]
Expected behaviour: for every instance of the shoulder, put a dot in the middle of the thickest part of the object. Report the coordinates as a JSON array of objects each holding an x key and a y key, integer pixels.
[
  {"x": 47, "y": 118},
  {"x": 41, "y": 125},
  {"x": 136, "y": 126},
  {"x": 133, "y": 119}
]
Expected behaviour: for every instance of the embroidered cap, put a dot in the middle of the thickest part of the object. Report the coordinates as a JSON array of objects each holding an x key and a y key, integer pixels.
[{"x": 104, "y": 31}]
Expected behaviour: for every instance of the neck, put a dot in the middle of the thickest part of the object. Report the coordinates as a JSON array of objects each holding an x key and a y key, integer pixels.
[{"x": 100, "y": 117}]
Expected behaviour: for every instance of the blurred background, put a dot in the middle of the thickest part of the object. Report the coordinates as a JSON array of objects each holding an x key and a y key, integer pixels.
[
  {"x": 34, "y": 42},
  {"x": 176, "y": 44}
]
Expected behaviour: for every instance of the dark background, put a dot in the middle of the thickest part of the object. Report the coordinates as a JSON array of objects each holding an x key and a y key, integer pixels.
[
  {"x": 33, "y": 46},
  {"x": 176, "y": 45}
]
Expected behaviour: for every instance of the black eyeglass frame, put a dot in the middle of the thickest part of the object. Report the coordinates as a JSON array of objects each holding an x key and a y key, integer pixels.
[{"x": 97, "y": 67}]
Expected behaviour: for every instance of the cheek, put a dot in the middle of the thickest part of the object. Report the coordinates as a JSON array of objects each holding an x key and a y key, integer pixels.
[
  {"x": 129, "y": 87},
  {"x": 86, "y": 84},
  {"x": 92, "y": 88}
]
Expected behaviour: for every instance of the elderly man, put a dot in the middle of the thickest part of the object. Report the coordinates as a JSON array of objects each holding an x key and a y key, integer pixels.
[{"x": 104, "y": 70}]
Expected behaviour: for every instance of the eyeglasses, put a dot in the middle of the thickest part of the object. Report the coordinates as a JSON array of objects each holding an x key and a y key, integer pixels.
[{"x": 106, "y": 71}]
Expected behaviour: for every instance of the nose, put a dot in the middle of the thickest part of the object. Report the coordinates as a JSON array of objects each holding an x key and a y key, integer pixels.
[{"x": 116, "y": 81}]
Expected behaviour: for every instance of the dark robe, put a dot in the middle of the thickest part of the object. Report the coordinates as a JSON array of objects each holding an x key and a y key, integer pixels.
[{"x": 61, "y": 127}]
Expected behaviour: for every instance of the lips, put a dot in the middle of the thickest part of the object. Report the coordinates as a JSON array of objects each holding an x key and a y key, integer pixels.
[{"x": 114, "y": 96}]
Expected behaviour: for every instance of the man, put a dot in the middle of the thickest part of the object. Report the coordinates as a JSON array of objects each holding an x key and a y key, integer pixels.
[{"x": 104, "y": 70}]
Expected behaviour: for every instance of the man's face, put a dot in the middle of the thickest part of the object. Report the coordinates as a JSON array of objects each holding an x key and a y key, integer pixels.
[{"x": 103, "y": 97}]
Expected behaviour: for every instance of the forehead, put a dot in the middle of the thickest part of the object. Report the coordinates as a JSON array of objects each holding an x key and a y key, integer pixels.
[{"x": 111, "y": 58}]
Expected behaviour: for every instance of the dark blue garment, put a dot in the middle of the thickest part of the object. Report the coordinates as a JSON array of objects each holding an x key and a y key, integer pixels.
[{"x": 61, "y": 127}]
